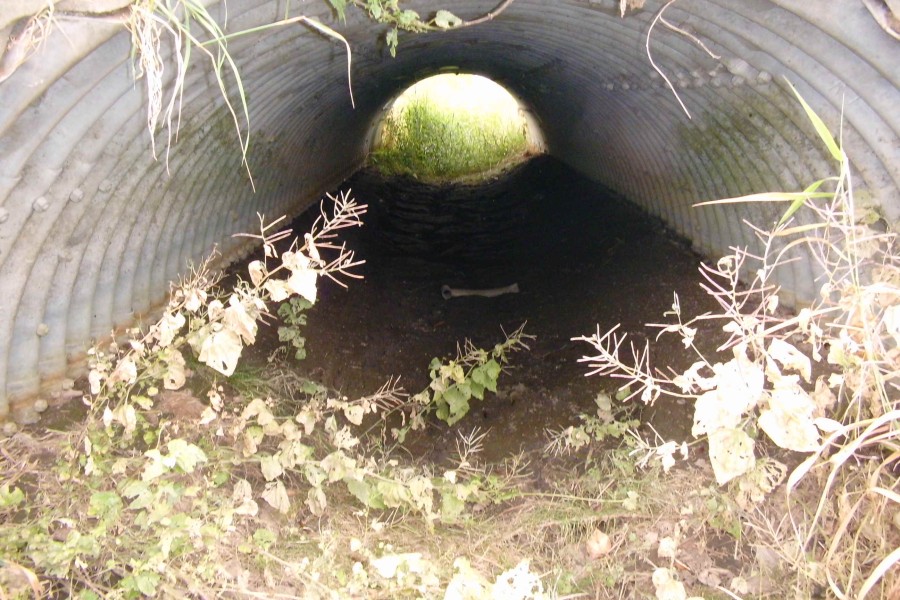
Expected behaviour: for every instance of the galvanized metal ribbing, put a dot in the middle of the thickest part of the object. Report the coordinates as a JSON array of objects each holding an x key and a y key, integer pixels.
[{"x": 92, "y": 228}]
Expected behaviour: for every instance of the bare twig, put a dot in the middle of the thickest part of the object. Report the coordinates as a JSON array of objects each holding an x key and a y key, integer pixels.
[
  {"x": 653, "y": 64},
  {"x": 689, "y": 36},
  {"x": 488, "y": 17}
]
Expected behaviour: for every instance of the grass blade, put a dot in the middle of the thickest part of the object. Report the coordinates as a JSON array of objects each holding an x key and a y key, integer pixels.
[
  {"x": 820, "y": 126},
  {"x": 768, "y": 197}
]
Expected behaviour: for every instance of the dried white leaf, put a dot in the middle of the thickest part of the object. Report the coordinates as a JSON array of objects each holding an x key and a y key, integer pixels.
[
  {"x": 303, "y": 282},
  {"x": 826, "y": 425},
  {"x": 168, "y": 327},
  {"x": 354, "y": 413},
  {"x": 277, "y": 497},
  {"x": 790, "y": 357},
  {"x": 731, "y": 454},
  {"x": 271, "y": 467},
  {"x": 95, "y": 378},
  {"x": 242, "y": 497},
  {"x": 667, "y": 587},
  {"x": 713, "y": 412},
  {"x": 174, "y": 378},
  {"x": 126, "y": 416},
  {"x": 388, "y": 565},
  {"x": 278, "y": 289},
  {"x": 194, "y": 299},
  {"x": 214, "y": 310},
  {"x": 239, "y": 321},
  {"x": 257, "y": 271},
  {"x": 789, "y": 419},
  {"x": 125, "y": 372},
  {"x": 518, "y": 583},
  {"x": 208, "y": 415},
  {"x": 667, "y": 548},
  {"x": 295, "y": 261},
  {"x": 666, "y": 452},
  {"x": 221, "y": 351},
  {"x": 691, "y": 378}
]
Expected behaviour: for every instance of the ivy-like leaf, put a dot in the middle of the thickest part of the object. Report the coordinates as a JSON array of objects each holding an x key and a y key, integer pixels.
[
  {"x": 186, "y": 456},
  {"x": 264, "y": 538},
  {"x": 394, "y": 493},
  {"x": 391, "y": 39},
  {"x": 105, "y": 506},
  {"x": 140, "y": 491},
  {"x": 365, "y": 493},
  {"x": 10, "y": 497},
  {"x": 271, "y": 467},
  {"x": 492, "y": 368},
  {"x": 458, "y": 404},
  {"x": 407, "y": 18},
  {"x": 451, "y": 505},
  {"x": 446, "y": 19},
  {"x": 338, "y": 466}
]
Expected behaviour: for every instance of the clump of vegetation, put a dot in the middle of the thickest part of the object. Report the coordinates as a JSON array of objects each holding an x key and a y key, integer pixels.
[
  {"x": 843, "y": 499},
  {"x": 158, "y": 492},
  {"x": 428, "y": 142}
]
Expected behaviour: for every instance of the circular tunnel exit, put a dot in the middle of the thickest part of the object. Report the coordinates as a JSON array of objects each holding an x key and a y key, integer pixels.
[
  {"x": 94, "y": 226},
  {"x": 454, "y": 125}
]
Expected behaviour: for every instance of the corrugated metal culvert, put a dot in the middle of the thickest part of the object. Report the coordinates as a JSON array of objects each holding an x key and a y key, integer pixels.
[{"x": 92, "y": 227}]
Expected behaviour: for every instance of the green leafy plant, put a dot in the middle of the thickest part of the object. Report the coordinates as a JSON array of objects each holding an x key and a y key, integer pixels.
[
  {"x": 595, "y": 428},
  {"x": 293, "y": 313},
  {"x": 145, "y": 504},
  {"x": 390, "y": 12},
  {"x": 473, "y": 372}
]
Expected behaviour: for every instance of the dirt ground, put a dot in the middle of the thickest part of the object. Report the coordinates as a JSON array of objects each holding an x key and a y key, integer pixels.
[{"x": 581, "y": 256}]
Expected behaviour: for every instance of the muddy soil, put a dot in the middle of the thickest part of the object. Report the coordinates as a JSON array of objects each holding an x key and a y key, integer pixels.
[{"x": 582, "y": 258}]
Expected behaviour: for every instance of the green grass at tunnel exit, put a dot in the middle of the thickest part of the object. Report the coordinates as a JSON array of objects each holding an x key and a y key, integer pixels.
[{"x": 454, "y": 128}]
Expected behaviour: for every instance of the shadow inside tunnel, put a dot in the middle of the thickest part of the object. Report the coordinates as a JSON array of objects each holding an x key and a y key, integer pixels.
[{"x": 582, "y": 257}]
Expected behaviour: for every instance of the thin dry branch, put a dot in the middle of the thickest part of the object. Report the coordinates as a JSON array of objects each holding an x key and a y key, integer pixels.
[
  {"x": 653, "y": 63},
  {"x": 489, "y": 16}
]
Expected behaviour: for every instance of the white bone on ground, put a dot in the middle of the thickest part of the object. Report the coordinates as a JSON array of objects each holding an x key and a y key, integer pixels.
[{"x": 448, "y": 292}]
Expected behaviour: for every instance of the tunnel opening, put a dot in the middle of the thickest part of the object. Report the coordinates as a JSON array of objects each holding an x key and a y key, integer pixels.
[{"x": 453, "y": 126}]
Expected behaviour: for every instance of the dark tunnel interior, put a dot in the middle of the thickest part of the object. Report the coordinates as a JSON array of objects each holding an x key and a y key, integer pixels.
[{"x": 581, "y": 256}]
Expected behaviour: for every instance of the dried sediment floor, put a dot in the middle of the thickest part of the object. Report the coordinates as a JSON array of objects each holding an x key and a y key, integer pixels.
[{"x": 581, "y": 256}]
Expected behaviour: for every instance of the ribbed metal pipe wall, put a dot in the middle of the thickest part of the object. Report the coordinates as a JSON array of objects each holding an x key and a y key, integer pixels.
[{"x": 93, "y": 228}]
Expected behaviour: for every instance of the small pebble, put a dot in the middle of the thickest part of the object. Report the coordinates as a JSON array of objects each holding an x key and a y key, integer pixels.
[
  {"x": 598, "y": 545},
  {"x": 10, "y": 428},
  {"x": 40, "y": 405}
]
